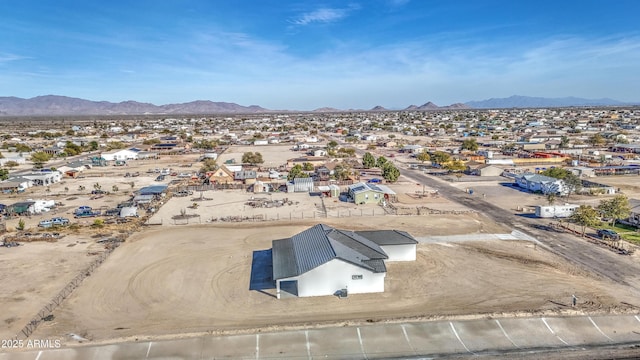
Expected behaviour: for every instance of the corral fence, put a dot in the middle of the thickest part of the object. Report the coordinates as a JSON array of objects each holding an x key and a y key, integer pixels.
[
  {"x": 45, "y": 314},
  {"x": 421, "y": 210},
  {"x": 186, "y": 220}
]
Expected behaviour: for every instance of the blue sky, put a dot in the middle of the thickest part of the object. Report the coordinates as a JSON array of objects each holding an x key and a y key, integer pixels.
[{"x": 309, "y": 54}]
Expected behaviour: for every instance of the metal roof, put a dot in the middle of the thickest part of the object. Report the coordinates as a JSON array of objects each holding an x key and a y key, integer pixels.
[
  {"x": 388, "y": 237},
  {"x": 362, "y": 187},
  {"x": 152, "y": 190},
  {"x": 321, "y": 244}
]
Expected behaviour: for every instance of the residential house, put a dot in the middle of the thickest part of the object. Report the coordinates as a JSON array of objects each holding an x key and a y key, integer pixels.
[
  {"x": 222, "y": 175},
  {"x": 323, "y": 260},
  {"x": 540, "y": 183},
  {"x": 365, "y": 193}
]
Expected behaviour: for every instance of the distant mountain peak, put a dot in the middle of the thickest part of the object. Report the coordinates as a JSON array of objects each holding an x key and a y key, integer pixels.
[
  {"x": 378, "y": 108},
  {"x": 64, "y": 105},
  {"x": 519, "y": 101}
]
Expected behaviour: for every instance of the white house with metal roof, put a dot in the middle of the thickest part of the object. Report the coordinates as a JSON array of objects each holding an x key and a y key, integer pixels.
[
  {"x": 322, "y": 260},
  {"x": 541, "y": 183}
]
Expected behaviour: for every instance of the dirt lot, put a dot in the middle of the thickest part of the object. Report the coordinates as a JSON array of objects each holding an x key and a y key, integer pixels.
[
  {"x": 273, "y": 155},
  {"x": 33, "y": 273},
  {"x": 196, "y": 279}
]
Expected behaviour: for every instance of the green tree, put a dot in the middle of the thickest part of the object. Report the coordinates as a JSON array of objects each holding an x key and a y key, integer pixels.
[
  {"x": 555, "y": 172},
  {"x": 585, "y": 215},
  {"x": 296, "y": 172},
  {"x": 72, "y": 149},
  {"x": 349, "y": 152},
  {"x": 93, "y": 145},
  {"x": 390, "y": 173},
  {"x": 20, "y": 225},
  {"x": 470, "y": 144},
  {"x": 308, "y": 166},
  {"x": 615, "y": 208},
  {"x": 368, "y": 160},
  {"x": 252, "y": 158},
  {"x": 440, "y": 157},
  {"x": 22, "y": 148},
  {"x": 40, "y": 158},
  {"x": 332, "y": 144},
  {"x": 208, "y": 165},
  {"x": 342, "y": 172},
  {"x": 423, "y": 157},
  {"x": 116, "y": 145},
  {"x": 551, "y": 198},
  {"x": 455, "y": 166},
  {"x": 596, "y": 140},
  {"x": 381, "y": 161},
  {"x": 4, "y": 174},
  {"x": 564, "y": 142}
]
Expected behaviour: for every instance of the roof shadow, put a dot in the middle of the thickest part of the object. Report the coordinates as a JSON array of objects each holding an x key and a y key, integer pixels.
[{"x": 262, "y": 271}]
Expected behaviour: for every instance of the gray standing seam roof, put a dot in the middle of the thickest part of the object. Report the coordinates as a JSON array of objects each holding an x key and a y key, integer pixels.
[
  {"x": 320, "y": 244},
  {"x": 388, "y": 237}
]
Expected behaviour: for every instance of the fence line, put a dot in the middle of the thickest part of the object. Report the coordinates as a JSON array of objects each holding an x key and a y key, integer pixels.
[{"x": 46, "y": 312}]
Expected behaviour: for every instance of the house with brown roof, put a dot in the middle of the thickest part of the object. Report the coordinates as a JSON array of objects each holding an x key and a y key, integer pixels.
[{"x": 221, "y": 175}]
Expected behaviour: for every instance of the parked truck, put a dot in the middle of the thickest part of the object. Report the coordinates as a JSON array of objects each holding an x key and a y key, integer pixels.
[{"x": 85, "y": 211}]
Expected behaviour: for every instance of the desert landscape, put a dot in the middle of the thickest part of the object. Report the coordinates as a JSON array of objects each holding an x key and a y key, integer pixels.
[
  {"x": 177, "y": 281},
  {"x": 175, "y": 275}
]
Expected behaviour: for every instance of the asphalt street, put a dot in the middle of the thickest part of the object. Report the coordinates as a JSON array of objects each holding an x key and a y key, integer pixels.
[
  {"x": 509, "y": 338},
  {"x": 598, "y": 260}
]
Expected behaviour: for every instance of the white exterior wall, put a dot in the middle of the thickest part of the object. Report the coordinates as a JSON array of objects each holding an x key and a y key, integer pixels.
[
  {"x": 336, "y": 274},
  {"x": 406, "y": 252},
  {"x": 42, "y": 205},
  {"x": 120, "y": 155},
  {"x": 561, "y": 211}
]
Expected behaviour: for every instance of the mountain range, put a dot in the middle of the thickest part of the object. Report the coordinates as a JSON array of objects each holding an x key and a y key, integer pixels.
[
  {"x": 61, "y": 105},
  {"x": 517, "y": 101}
]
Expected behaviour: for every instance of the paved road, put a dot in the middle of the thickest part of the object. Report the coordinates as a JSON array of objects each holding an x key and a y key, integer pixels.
[
  {"x": 618, "y": 268},
  {"x": 508, "y": 338}
]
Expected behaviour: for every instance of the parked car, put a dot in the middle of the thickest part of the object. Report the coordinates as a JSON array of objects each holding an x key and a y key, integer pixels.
[
  {"x": 45, "y": 224},
  {"x": 608, "y": 234},
  {"x": 60, "y": 221},
  {"x": 98, "y": 192},
  {"x": 160, "y": 178},
  {"x": 183, "y": 193},
  {"x": 374, "y": 181}
]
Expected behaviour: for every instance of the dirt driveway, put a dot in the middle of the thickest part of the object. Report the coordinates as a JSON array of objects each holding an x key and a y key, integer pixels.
[{"x": 195, "y": 279}]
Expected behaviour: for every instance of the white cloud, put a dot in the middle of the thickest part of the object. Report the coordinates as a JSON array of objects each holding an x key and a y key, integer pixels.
[
  {"x": 5, "y": 58},
  {"x": 324, "y": 15}
]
